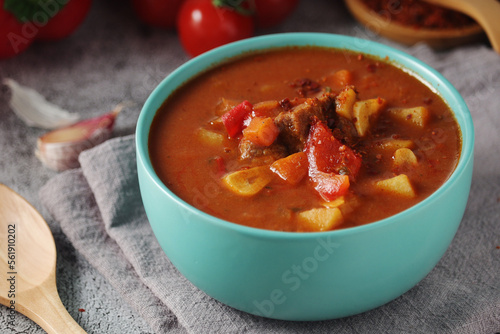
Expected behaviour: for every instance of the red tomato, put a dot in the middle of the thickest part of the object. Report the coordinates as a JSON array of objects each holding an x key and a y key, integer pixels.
[
  {"x": 15, "y": 36},
  {"x": 203, "y": 26},
  {"x": 271, "y": 12},
  {"x": 65, "y": 21},
  {"x": 157, "y": 13}
]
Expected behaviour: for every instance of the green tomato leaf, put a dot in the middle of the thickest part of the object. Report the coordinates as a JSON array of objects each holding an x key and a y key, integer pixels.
[
  {"x": 240, "y": 6},
  {"x": 38, "y": 11}
]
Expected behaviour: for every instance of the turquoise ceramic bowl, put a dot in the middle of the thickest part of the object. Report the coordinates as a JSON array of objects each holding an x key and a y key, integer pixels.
[{"x": 305, "y": 276}]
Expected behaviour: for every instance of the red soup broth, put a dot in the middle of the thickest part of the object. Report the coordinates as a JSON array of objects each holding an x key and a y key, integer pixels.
[{"x": 342, "y": 116}]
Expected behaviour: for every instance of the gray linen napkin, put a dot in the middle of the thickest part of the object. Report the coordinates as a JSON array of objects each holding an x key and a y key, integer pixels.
[{"x": 99, "y": 208}]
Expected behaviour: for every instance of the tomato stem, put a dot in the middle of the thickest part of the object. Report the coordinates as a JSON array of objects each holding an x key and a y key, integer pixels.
[
  {"x": 39, "y": 11},
  {"x": 240, "y": 6}
]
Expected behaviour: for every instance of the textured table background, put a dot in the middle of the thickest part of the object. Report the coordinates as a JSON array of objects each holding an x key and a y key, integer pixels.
[{"x": 110, "y": 59}]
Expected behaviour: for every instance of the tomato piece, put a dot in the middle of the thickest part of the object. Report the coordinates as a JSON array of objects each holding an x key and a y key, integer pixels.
[
  {"x": 15, "y": 36},
  {"x": 269, "y": 13},
  {"x": 261, "y": 131},
  {"x": 292, "y": 168},
  {"x": 330, "y": 185},
  {"x": 202, "y": 26},
  {"x": 157, "y": 13},
  {"x": 65, "y": 21},
  {"x": 234, "y": 118},
  {"x": 327, "y": 154}
]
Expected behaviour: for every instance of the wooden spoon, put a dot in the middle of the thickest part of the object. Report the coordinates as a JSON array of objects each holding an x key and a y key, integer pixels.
[
  {"x": 485, "y": 12},
  {"x": 436, "y": 38},
  {"x": 28, "y": 266}
]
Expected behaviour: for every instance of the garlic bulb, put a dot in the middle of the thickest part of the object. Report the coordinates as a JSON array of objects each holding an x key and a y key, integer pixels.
[
  {"x": 59, "y": 149},
  {"x": 35, "y": 110}
]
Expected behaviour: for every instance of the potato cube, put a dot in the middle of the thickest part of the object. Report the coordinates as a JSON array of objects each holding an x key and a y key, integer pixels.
[
  {"x": 418, "y": 116},
  {"x": 225, "y": 105},
  {"x": 335, "y": 203},
  {"x": 399, "y": 185},
  {"x": 404, "y": 157},
  {"x": 364, "y": 112},
  {"x": 248, "y": 182},
  {"x": 345, "y": 101},
  {"x": 351, "y": 202},
  {"x": 391, "y": 145},
  {"x": 210, "y": 138},
  {"x": 319, "y": 219}
]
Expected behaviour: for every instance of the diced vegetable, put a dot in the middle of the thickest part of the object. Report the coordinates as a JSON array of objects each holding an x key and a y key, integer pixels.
[
  {"x": 330, "y": 185},
  {"x": 216, "y": 122},
  {"x": 248, "y": 182},
  {"x": 350, "y": 203},
  {"x": 338, "y": 80},
  {"x": 345, "y": 101},
  {"x": 266, "y": 109},
  {"x": 392, "y": 145},
  {"x": 364, "y": 112},
  {"x": 319, "y": 219},
  {"x": 210, "y": 138},
  {"x": 219, "y": 166},
  {"x": 225, "y": 105},
  {"x": 292, "y": 168},
  {"x": 339, "y": 201},
  {"x": 261, "y": 131},
  {"x": 233, "y": 119},
  {"x": 327, "y": 154},
  {"x": 399, "y": 185},
  {"x": 418, "y": 116},
  {"x": 404, "y": 157}
]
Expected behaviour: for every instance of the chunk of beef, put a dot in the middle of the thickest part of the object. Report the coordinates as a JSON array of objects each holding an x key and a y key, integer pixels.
[
  {"x": 261, "y": 154},
  {"x": 344, "y": 130},
  {"x": 294, "y": 124}
]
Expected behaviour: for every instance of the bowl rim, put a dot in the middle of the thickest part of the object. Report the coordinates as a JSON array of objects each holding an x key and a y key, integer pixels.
[{"x": 428, "y": 75}]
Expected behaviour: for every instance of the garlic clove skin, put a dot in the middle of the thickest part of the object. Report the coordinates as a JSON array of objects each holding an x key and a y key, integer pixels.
[
  {"x": 34, "y": 110},
  {"x": 59, "y": 149}
]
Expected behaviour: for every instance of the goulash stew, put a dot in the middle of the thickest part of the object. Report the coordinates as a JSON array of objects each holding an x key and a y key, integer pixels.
[{"x": 304, "y": 139}]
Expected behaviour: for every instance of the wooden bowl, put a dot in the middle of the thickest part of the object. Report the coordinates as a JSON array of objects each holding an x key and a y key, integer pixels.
[{"x": 436, "y": 38}]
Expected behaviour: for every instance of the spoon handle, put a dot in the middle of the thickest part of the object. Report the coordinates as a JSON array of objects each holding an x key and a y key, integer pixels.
[{"x": 45, "y": 308}]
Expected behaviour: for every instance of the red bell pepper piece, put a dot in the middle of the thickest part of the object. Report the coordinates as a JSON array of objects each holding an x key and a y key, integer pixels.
[
  {"x": 331, "y": 164},
  {"x": 330, "y": 185},
  {"x": 233, "y": 119},
  {"x": 327, "y": 154},
  {"x": 220, "y": 166}
]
